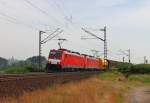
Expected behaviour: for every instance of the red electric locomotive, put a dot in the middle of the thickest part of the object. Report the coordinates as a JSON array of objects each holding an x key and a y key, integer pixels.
[{"x": 65, "y": 60}]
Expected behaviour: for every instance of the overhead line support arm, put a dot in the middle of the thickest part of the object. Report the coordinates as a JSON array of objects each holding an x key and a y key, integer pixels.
[{"x": 92, "y": 34}]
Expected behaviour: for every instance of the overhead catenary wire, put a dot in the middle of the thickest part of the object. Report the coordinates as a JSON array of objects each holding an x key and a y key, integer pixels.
[
  {"x": 42, "y": 11},
  {"x": 80, "y": 45},
  {"x": 67, "y": 15},
  {"x": 34, "y": 22},
  {"x": 86, "y": 46},
  {"x": 35, "y": 25},
  {"x": 113, "y": 57},
  {"x": 61, "y": 9},
  {"x": 52, "y": 37},
  {"x": 45, "y": 39},
  {"x": 7, "y": 19},
  {"x": 16, "y": 21}
]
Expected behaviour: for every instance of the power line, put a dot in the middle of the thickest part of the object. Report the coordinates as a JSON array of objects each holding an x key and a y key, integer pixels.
[
  {"x": 50, "y": 35},
  {"x": 16, "y": 21},
  {"x": 7, "y": 19},
  {"x": 92, "y": 35},
  {"x": 62, "y": 10},
  {"x": 41, "y": 10},
  {"x": 45, "y": 13},
  {"x": 30, "y": 3},
  {"x": 95, "y": 52},
  {"x": 81, "y": 45},
  {"x": 67, "y": 16},
  {"x": 42, "y": 42},
  {"x": 33, "y": 23},
  {"x": 127, "y": 53}
]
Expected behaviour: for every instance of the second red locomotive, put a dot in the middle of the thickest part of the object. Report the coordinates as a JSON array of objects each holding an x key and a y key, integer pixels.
[{"x": 65, "y": 60}]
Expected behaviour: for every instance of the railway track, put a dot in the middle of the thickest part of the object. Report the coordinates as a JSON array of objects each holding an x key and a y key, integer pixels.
[
  {"x": 14, "y": 85},
  {"x": 9, "y": 77}
]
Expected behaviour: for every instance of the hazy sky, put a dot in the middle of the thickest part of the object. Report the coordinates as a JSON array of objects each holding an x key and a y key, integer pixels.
[{"x": 127, "y": 22}]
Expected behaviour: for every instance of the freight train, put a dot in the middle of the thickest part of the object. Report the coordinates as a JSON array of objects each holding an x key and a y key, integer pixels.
[{"x": 66, "y": 60}]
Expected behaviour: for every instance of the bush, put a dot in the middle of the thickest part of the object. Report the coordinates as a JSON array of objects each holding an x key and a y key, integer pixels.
[
  {"x": 31, "y": 69},
  {"x": 134, "y": 69},
  {"x": 141, "y": 68},
  {"x": 18, "y": 69},
  {"x": 14, "y": 70},
  {"x": 124, "y": 67}
]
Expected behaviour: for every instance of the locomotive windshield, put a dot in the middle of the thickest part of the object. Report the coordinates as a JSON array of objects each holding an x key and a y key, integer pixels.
[{"x": 55, "y": 54}]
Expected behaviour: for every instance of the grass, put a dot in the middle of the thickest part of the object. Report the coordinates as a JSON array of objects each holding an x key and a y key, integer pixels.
[
  {"x": 144, "y": 78},
  {"x": 111, "y": 75},
  {"x": 115, "y": 75},
  {"x": 92, "y": 90},
  {"x": 16, "y": 70},
  {"x": 107, "y": 87}
]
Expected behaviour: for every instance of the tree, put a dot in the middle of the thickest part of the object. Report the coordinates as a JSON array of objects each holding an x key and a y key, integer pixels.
[
  {"x": 34, "y": 61},
  {"x": 3, "y": 62}
]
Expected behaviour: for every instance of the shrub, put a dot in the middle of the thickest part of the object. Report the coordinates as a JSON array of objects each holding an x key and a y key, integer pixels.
[
  {"x": 135, "y": 69},
  {"x": 31, "y": 68},
  {"x": 18, "y": 69},
  {"x": 141, "y": 68},
  {"x": 14, "y": 70},
  {"x": 124, "y": 67}
]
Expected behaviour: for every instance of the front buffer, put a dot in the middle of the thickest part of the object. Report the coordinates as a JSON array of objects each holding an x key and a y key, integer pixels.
[{"x": 53, "y": 67}]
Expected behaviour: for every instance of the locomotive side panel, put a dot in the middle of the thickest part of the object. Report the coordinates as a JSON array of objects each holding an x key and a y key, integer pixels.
[
  {"x": 72, "y": 61},
  {"x": 92, "y": 63}
]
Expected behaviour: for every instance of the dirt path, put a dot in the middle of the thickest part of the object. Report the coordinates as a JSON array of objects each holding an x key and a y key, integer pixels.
[{"x": 139, "y": 95}]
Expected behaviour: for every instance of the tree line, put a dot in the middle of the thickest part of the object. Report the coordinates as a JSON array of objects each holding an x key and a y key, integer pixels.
[{"x": 31, "y": 61}]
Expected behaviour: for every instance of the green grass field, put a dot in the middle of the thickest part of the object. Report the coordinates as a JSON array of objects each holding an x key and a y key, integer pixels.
[
  {"x": 16, "y": 70},
  {"x": 115, "y": 75},
  {"x": 145, "y": 78}
]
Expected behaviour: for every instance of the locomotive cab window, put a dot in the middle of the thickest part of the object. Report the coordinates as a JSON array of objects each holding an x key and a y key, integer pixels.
[{"x": 55, "y": 54}]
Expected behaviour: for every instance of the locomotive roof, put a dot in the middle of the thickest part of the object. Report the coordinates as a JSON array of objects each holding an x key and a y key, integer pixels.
[{"x": 74, "y": 52}]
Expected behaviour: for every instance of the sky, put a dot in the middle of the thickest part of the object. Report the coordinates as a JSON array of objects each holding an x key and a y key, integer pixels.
[{"x": 127, "y": 23}]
